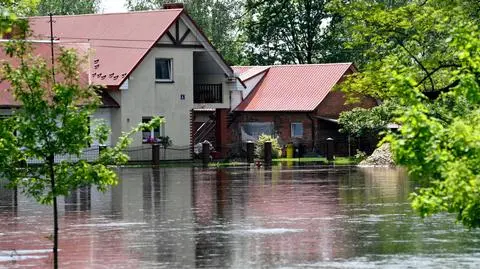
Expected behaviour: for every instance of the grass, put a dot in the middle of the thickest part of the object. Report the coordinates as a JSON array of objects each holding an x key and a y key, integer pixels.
[
  {"x": 219, "y": 164},
  {"x": 322, "y": 160}
]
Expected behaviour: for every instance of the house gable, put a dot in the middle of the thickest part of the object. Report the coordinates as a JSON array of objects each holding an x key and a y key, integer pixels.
[{"x": 179, "y": 35}]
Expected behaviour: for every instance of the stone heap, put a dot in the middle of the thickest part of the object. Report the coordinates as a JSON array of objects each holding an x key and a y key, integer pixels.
[{"x": 382, "y": 156}]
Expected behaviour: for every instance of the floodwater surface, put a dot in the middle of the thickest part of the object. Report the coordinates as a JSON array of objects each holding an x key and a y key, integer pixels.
[{"x": 283, "y": 217}]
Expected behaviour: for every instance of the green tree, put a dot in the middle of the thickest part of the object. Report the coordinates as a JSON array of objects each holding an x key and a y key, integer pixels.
[
  {"x": 425, "y": 57},
  {"x": 67, "y": 7},
  {"x": 293, "y": 31},
  {"x": 53, "y": 120},
  {"x": 11, "y": 9},
  {"x": 260, "y": 145},
  {"x": 360, "y": 122},
  {"x": 218, "y": 19}
]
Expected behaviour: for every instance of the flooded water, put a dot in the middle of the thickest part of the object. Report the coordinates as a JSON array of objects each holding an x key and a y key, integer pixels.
[{"x": 300, "y": 217}]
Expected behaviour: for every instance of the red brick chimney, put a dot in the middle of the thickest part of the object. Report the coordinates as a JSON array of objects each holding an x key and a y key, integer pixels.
[{"x": 172, "y": 5}]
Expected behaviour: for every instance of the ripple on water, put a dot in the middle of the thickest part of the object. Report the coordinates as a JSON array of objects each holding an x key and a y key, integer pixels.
[{"x": 23, "y": 254}]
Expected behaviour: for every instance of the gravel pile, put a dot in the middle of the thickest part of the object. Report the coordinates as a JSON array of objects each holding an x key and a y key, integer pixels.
[{"x": 382, "y": 156}]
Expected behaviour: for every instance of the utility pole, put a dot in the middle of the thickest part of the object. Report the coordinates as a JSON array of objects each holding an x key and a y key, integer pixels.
[
  {"x": 51, "y": 162},
  {"x": 51, "y": 47}
]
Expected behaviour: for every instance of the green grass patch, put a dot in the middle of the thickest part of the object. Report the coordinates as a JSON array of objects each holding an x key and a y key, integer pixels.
[{"x": 321, "y": 160}]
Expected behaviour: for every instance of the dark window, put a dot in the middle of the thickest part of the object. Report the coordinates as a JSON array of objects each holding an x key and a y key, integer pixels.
[
  {"x": 297, "y": 129},
  {"x": 163, "y": 69}
]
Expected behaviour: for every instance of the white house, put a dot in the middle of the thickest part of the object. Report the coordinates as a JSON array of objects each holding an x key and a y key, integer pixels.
[{"x": 152, "y": 63}]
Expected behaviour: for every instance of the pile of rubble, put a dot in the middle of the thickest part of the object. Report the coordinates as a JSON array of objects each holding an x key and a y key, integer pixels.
[{"x": 382, "y": 156}]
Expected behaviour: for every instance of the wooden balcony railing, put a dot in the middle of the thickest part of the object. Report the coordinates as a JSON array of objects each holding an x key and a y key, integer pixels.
[{"x": 207, "y": 93}]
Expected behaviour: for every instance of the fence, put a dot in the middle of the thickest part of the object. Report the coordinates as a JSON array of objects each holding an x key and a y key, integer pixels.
[{"x": 141, "y": 153}]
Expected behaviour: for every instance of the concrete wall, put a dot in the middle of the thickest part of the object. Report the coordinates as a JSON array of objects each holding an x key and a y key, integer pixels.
[{"x": 147, "y": 98}]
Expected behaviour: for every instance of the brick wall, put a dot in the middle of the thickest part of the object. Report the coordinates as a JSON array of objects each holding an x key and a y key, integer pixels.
[
  {"x": 334, "y": 104},
  {"x": 282, "y": 124}
]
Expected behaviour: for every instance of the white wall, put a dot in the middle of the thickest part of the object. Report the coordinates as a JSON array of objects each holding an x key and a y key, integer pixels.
[
  {"x": 146, "y": 97},
  {"x": 101, "y": 115}
]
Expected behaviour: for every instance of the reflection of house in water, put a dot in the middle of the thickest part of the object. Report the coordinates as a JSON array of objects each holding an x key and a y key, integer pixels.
[
  {"x": 8, "y": 199},
  {"x": 265, "y": 212},
  {"x": 166, "y": 207}
]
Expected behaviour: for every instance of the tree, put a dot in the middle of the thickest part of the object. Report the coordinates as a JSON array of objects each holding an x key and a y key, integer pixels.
[
  {"x": 293, "y": 31},
  {"x": 360, "y": 122},
  {"x": 67, "y": 7},
  {"x": 217, "y": 19},
  {"x": 11, "y": 9},
  {"x": 260, "y": 146},
  {"x": 53, "y": 120},
  {"x": 425, "y": 57}
]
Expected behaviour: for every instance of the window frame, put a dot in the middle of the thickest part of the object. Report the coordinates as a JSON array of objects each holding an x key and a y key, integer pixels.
[
  {"x": 170, "y": 73},
  {"x": 160, "y": 131},
  {"x": 292, "y": 129}
]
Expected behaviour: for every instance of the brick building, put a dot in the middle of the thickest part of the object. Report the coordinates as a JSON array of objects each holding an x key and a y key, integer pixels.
[{"x": 296, "y": 103}]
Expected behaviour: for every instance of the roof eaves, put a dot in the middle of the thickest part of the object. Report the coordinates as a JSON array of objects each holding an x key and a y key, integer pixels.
[
  {"x": 151, "y": 46},
  {"x": 205, "y": 37}
]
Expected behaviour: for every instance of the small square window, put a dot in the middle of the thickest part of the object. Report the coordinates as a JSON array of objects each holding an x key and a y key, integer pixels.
[
  {"x": 297, "y": 129},
  {"x": 163, "y": 69},
  {"x": 152, "y": 135}
]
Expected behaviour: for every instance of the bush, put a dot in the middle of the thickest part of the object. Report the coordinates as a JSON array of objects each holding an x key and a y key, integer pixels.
[{"x": 276, "y": 149}]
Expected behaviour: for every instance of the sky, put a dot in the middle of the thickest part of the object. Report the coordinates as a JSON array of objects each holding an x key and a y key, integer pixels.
[{"x": 110, "y": 6}]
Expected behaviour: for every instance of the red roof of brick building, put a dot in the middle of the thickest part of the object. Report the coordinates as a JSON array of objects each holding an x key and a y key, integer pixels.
[{"x": 293, "y": 87}]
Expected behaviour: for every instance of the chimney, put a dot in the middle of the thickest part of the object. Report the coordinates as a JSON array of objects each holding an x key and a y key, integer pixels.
[{"x": 172, "y": 5}]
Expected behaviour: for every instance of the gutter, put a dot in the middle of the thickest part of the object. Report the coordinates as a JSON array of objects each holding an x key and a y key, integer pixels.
[{"x": 313, "y": 129}]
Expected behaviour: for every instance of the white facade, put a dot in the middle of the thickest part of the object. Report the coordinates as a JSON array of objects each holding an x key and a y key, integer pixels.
[{"x": 193, "y": 62}]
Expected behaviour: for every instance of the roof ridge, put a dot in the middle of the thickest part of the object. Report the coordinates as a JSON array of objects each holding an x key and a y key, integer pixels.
[
  {"x": 293, "y": 65},
  {"x": 107, "y": 14},
  {"x": 302, "y": 65}
]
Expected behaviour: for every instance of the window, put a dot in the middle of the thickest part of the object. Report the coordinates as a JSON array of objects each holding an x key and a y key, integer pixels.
[
  {"x": 163, "y": 70},
  {"x": 152, "y": 135},
  {"x": 252, "y": 130},
  {"x": 297, "y": 129}
]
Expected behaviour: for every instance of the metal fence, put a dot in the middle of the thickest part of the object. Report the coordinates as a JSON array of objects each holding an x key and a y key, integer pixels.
[{"x": 141, "y": 153}]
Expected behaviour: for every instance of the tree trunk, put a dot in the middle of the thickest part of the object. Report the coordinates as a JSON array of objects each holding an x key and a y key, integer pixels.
[{"x": 51, "y": 163}]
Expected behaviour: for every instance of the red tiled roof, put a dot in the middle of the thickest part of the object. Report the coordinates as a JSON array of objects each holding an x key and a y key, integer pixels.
[
  {"x": 116, "y": 43},
  {"x": 43, "y": 50},
  {"x": 119, "y": 41},
  {"x": 293, "y": 87}
]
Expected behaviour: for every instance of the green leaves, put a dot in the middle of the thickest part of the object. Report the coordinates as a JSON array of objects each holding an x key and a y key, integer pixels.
[
  {"x": 425, "y": 58},
  {"x": 292, "y": 32},
  {"x": 67, "y": 7},
  {"x": 54, "y": 119},
  {"x": 360, "y": 122}
]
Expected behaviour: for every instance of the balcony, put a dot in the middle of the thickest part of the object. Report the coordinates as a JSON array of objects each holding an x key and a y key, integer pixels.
[{"x": 207, "y": 94}]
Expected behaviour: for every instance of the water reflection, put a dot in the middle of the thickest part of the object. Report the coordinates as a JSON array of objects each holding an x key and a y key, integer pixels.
[{"x": 278, "y": 217}]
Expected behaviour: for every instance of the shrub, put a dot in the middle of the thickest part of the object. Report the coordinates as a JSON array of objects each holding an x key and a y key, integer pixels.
[{"x": 276, "y": 149}]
